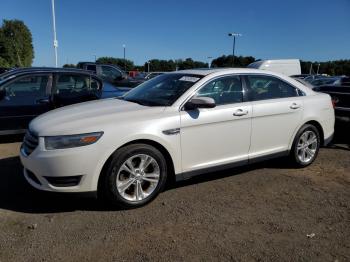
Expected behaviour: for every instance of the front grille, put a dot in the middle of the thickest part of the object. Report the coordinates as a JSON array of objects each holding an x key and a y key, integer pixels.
[
  {"x": 64, "y": 181},
  {"x": 30, "y": 142}
]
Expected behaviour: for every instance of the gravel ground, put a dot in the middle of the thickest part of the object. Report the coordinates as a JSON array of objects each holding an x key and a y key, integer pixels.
[{"x": 265, "y": 212}]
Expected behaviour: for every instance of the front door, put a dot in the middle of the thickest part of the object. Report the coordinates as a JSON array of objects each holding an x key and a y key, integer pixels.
[{"x": 220, "y": 135}]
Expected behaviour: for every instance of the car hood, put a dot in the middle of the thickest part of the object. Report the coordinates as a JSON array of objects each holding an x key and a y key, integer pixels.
[{"x": 91, "y": 116}]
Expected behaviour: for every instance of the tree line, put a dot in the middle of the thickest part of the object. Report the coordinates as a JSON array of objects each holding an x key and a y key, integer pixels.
[
  {"x": 16, "y": 47},
  {"x": 16, "y": 50}
]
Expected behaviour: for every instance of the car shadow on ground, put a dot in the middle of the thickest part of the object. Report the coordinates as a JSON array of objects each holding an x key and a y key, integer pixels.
[
  {"x": 11, "y": 138},
  {"x": 17, "y": 195}
]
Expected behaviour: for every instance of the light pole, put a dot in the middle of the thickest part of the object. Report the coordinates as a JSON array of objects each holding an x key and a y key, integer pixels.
[
  {"x": 55, "y": 43},
  {"x": 209, "y": 61},
  {"x": 234, "y": 35},
  {"x": 12, "y": 34},
  {"x": 148, "y": 62},
  {"x": 95, "y": 58},
  {"x": 124, "y": 46}
]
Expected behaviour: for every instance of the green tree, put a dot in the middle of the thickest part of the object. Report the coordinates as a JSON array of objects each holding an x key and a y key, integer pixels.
[
  {"x": 226, "y": 61},
  {"x": 116, "y": 61},
  {"x": 16, "y": 47},
  {"x": 69, "y": 66}
]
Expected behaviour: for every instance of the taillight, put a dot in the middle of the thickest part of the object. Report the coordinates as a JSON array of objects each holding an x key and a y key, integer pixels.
[{"x": 335, "y": 100}]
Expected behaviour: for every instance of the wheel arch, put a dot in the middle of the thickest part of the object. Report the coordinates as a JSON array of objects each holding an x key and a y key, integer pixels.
[
  {"x": 157, "y": 145},
  {"x": 316, "y": 124},
  {"x": 319, "y": 128}
]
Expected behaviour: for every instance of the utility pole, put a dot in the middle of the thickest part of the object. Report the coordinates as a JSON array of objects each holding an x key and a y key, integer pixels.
[
  {"x": 124, "y": 46},
  {"x": 234, "y": 35},
  {"x": 209, "y": 62},
  {"x": 55, "y": 43}
]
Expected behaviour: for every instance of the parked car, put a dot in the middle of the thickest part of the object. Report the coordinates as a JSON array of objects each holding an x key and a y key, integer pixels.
[
  {"x": 111, "y": 73},
  {"x": 341, "y": 100},
  {"x": 27, "y": 93},
  {"x": 175, "y": 126},
  {"x": 152, "y": 75},
  {"x": 287, "y": 67},
  {"x": 311, "y": 78},
  {"x": 3, "y": 69},
  {"x": 325, "y": 81},
  {"x": 300, "y": 76},
  {"x": 336, "y": 80}
]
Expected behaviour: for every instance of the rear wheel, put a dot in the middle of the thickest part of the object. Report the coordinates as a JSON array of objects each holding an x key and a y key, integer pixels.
[
  {"x": 305, "y": 146},
  {"x": 135, "y": 176}
]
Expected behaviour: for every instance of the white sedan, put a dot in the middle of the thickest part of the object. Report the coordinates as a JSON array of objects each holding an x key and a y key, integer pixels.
[{"x": 176, "y": 125}]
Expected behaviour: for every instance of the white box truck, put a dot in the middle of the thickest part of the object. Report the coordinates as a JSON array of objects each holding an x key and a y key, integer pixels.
[{"x": 287, "y": 67}]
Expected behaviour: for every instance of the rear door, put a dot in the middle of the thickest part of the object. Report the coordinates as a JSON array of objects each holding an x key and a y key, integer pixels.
[
  {"x": 71, "y": 88},
  {"x": 277, "y": 112},
  {"x": 26, "y": 97}
]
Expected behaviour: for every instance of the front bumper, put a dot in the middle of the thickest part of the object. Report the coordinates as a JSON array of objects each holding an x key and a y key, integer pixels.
[{"x": 64, "y": 170}]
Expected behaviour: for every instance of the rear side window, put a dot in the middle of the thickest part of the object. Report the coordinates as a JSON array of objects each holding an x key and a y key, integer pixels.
[
  {"x": 67, "y": 83},
  {"x": 225, "y": 90},
  {"x": 267, "y": 87}
]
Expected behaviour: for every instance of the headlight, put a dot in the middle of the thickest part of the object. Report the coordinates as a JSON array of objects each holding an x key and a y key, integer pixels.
[{"x": 61, "y": 142}]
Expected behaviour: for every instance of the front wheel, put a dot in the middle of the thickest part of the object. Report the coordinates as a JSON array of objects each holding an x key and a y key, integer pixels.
[
  {"x": 135, "y": 176},
  {"x": 305, "y": 146}
]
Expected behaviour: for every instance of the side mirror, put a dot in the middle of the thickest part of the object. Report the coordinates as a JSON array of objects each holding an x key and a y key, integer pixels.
[
  {"x": 2, "y": 93},
  {"x": 200, "y": 102}
]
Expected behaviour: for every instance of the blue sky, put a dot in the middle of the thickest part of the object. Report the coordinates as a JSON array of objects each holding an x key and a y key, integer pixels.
[{"x": 168, "y": 29}]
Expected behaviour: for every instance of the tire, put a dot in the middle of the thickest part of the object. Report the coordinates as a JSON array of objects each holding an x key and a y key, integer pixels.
[
  {"x": 305, "y": 146},
  {"x": 135, "y": 175}
]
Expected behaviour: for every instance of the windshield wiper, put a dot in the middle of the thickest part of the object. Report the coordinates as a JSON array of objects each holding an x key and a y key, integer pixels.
[
  {"x": 140, "y": 102},
  {"x": 143, "y": 102}
]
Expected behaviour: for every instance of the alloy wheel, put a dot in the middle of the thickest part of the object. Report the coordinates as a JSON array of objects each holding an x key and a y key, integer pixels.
[
  {"x": 137, "y": 177},
  {"x": 307, "y": 146}
]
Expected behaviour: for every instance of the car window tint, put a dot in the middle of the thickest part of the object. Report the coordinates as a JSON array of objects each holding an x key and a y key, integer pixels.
[
  {"x": 95, "y": 85},
  {"x": 91, "y": 68},
  {"x": 110, "y": 73},
  {"x": 28, "y": 86},
  {"x": 267, "y": 87},
  {"x": 67, "y": 83},
  {"x": 226, "y": 90}
]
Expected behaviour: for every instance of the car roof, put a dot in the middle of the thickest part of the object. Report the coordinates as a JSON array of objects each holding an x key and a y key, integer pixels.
[
  {"x": 208, "y": 71},
  {"x": 26, "y": 70}
]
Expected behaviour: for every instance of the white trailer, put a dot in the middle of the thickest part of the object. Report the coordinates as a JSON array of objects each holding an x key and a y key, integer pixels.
[{"x": 285, "y": 66}]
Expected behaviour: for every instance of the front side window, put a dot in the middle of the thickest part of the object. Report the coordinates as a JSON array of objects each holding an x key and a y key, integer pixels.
[
  {"x": 28, "y": 86},
  {"x": 91, "y": 68},
  {"x": 267, "y": 87},
  {"x": 226, "y": 90},
  {"x": 163, "y": 90},
  {"x": 110, "y": 73}
]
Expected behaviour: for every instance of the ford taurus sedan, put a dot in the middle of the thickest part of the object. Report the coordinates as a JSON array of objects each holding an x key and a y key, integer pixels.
[{"x": 176, "y": 125}]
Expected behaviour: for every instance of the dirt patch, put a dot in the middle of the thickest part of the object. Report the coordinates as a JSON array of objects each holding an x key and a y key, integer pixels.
[{"x": 265, "y": 212}]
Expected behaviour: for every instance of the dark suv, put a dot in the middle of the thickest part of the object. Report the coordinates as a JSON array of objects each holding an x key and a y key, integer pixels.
[
  {"x": 111, "y": 73},
  {"x": 27, "y": 93}
]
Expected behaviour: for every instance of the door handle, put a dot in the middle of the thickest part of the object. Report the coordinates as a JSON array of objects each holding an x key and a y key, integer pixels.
[
  {"x": 240, "y": 112},
  {"x": 294, "y": 106},
  {"x": 43, "y": 101}
]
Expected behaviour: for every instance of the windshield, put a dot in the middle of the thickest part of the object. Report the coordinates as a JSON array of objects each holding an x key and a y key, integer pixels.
[{"x": 162, "y": 90}]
